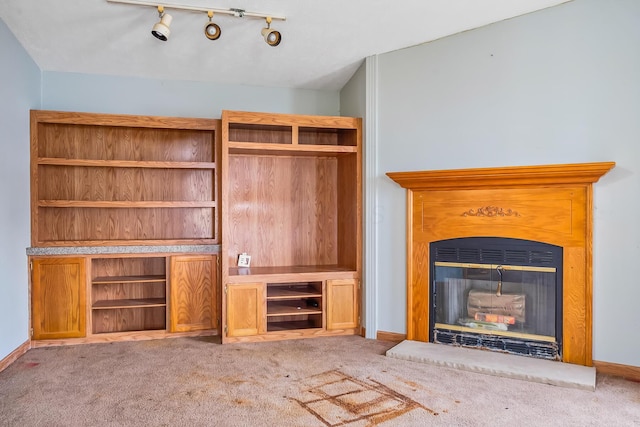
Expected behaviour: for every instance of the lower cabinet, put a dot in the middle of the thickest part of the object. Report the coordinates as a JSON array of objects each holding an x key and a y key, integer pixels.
[
  {"x": 116, "y": 296},
  {"x": 342, "y": 310},
  {"x": 245, "y": 309},
  {"x": 58, "y": 301},
  {"x": 128, "y": 294},
  {"x": 291, "y": 309},
  {"x": 193, "y": 293}
]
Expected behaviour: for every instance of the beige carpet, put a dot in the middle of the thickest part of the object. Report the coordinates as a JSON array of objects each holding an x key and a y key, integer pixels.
[{"x": 338, "y": 381}]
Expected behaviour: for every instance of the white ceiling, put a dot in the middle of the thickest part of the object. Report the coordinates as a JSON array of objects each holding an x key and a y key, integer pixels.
[{"x": 323, "y": 42}]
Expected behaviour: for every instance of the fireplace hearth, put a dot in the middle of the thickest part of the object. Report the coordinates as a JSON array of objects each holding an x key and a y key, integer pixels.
[
  {"x": 549, "y": 204},
  {"x": 497, "y": 294}
]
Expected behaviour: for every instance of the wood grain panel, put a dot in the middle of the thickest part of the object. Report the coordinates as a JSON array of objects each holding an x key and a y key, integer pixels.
[
  {"x": 125, "y": 184},
  {"x": 193, "y": 293},
  {"x": 82, "y": 224},
  {"x": 327, "y": 136},
  {"x": 282, "y": 210},
  {"x": 58, "y": 302},
  {"x": 349, "y": 211},
  {"x": 124, "y": 143},
  {"x": 125, "y": 291},
  {"x": 558, "y": 215},
  {"x": 342, "y": 305},
  {"x": 420, "y": 298},
  {"x": 265, "y": 134},
  {"x": 246, "y": 309},
  {"x": 128, "y": 319},
  {"x": 128, "y": 266},
  {"x": 574, "y": 308}
]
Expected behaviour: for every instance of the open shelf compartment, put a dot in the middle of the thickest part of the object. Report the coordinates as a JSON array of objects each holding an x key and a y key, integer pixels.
[{"x": 128, "y": 294}]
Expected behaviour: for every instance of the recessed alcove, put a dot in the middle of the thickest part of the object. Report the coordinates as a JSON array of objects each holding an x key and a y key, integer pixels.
[{"x": 551, "y": 204}]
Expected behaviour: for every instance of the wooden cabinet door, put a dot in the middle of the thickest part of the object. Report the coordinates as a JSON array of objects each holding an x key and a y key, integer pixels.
[
  {"x": 58, "y": 301},
  {"x": 342, "y": 307},
  {"x": 246, "y": 309},
  {"x": 193, "y": 282}
]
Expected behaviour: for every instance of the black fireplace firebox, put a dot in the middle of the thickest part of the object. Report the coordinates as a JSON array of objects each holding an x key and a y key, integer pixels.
[{"x": 497, "y": 294}]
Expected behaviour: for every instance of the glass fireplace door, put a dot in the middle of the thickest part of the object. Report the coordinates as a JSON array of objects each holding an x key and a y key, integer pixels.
[{"x": 503, "y": 300}]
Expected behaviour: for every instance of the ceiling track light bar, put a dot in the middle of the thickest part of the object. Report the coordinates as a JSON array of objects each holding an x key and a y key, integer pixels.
[{"x": 238, "y": 13}]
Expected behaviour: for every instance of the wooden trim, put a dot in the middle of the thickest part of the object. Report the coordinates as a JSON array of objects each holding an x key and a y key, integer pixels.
[
  {"x": 290, "y": 120},
  {"x": 162, "y": 122},
  {"x": 14, "y": 355},
  {"x": 121, "y": 337},
  {"x": 625, "y": 371},
  {"x": 411, "y": 334},
  {"x": 588, "y": 285},
  {"x": 292, "y": 334},
  {"x": 390, "y": 336},
  {"x": 578, "y": 173}
]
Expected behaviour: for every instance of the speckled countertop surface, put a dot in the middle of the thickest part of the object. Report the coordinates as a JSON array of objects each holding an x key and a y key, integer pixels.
[{"x": 99, "y": 250}]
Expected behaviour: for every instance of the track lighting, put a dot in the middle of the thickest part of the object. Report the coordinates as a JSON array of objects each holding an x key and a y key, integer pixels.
[
  {"x": 161, "y": 29},
  {"x": 272, "y": 37},
  {"x": 212, "y": 30}
]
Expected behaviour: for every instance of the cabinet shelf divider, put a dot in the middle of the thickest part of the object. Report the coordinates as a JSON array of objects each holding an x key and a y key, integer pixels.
[{"x": 129, "y": 303}]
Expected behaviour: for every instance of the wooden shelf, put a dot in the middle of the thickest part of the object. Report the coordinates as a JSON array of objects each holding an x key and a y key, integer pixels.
[
  {"x": 55, "y": 161},
  {"x": 287, "y": 310},
  {"x": 288, "y": 269},
  {"x": 124, "y": 204},
  {"x": 291, "y": 325},
  {"x": 279, "y": 293},
  {"x": 129, "y": 303},
  {"x": 129, "y": 279},
  {"x": 288, "y": 149},
  {"x": 106, "y": 179}
]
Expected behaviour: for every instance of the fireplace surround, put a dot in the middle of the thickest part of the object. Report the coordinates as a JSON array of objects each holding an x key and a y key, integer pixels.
[{"x": 551, "y": 204}]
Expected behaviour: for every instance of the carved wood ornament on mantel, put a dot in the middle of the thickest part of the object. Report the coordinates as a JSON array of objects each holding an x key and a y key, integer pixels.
[
  {"x": 550, "y": 203},
  {"x": 490, "y": 211}
]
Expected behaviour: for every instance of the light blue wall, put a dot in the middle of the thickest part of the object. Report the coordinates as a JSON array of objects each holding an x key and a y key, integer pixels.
[
  {"x": 557, "y": 86},
  {"x": 19, "y": 92},
  {"x": 133, "y": 95},
  {"x": 353, "y": 103},
  {"x": 353, "y": 95}
]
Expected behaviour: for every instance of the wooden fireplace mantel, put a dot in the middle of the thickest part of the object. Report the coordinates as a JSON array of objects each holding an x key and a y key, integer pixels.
[{"x": 550, "y": 203}]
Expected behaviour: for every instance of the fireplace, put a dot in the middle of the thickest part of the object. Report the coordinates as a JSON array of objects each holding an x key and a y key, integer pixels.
[
  {"x": 497, "y": 294},
  {"x": 550, "y": 206}
]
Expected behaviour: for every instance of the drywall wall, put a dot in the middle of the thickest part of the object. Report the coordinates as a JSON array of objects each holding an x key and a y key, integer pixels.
[
  {"x": 353, "y": 103},
  {"x": 353, "y": 95},
  {"x": 133, "y": 95},
  {"x": 556, "y": 86},
  {"x": 20, "y": 92}
]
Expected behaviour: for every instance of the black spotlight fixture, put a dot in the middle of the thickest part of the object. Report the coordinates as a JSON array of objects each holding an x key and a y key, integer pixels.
[
  {"x": 212, "y": 30},
  {"x": 272, "y": 37},
  {"x": 161, "y": 28}
]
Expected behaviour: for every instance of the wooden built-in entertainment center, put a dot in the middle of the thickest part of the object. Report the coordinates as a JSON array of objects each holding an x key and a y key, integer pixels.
[{"x": 138, "y": 221}]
